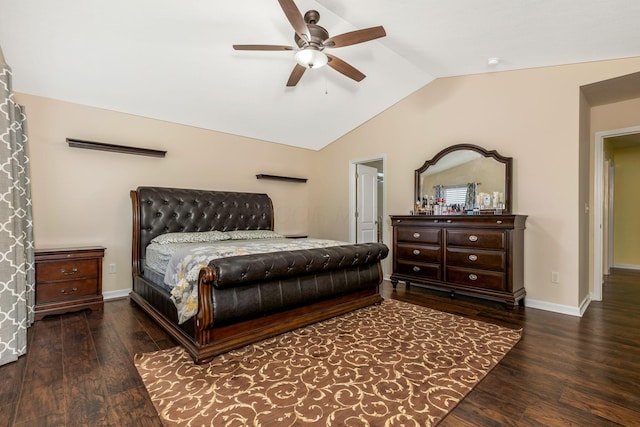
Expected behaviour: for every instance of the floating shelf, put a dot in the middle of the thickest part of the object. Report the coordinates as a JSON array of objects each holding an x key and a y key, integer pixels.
[
  {"x": 280, "y": 178},
  {"x": 91, "y": 145}
]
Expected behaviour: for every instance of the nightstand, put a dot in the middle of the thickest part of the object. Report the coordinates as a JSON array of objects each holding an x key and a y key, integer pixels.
[{"x": 68, "y": 279}]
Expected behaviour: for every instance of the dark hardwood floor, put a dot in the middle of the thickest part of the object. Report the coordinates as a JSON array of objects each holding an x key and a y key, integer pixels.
[{"x": 566, "y": 371}]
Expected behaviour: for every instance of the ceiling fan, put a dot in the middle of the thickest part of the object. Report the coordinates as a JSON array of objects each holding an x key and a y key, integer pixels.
[{"x": 312, "y": 39}]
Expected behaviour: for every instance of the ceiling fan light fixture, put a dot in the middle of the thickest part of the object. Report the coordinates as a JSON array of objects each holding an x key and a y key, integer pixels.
[{"x": 311, "y": 57}]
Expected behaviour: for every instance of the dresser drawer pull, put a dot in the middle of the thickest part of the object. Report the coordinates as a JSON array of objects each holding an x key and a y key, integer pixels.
[
  {"x": 436, "y": 220},
  {"x": 68, "y": 292},
  {"x": 416, "y": 235},
  {"x": 473, "y": 238},
  {"x": 448, "y": 220},
  {"x": 473, "y": 277},
  {"x": 74, "y": 270},
  {"x": 499, "y": 221},
  {"x": 416, "y": 268},
  {"x": 416, "y": 252},
  {"x": 473, "y": 257}
]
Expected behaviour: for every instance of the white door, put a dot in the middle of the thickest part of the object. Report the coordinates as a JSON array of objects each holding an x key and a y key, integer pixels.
[{"x": 366, "y": 204}]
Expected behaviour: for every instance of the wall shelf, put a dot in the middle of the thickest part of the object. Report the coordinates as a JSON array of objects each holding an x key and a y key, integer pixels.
[
  {"x": 280, "y": 178},
  {"x": 91, "y": 145}
]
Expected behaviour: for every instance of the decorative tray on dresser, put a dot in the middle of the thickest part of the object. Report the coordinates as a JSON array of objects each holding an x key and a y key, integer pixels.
[
  {"x": 479, "y": 255},
  {"x": 68, "y": 279}
]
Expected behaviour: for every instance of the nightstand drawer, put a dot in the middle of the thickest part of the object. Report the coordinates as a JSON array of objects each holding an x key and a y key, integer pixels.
[
  {"x": 68, "y": 279},
  {"x": 62, "y": 291},
  {"x": 66, "y": 270}
]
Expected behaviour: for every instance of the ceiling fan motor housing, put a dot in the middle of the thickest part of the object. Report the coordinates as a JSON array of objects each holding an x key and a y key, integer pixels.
[{"x": 318, "y": 34}]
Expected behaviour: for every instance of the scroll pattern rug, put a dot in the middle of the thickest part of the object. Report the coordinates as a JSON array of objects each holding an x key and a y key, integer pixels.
[{"x": 391, "y": 364}]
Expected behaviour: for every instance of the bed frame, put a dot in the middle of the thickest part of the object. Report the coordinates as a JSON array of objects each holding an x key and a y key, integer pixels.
[{"x": 312, "y": 285}]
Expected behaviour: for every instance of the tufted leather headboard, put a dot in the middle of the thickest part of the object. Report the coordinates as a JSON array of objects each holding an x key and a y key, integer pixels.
[{"x": 159, "y": 210}]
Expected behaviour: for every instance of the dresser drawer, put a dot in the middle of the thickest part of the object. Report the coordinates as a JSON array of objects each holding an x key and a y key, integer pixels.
[
  {"x": 420, "y": 269},
  {"x": 488, "y": 239},
  {"x": 62, "y": 291},
  {"x": 477, "y": 258},
  {"x": 66, "y": 270},
  {"x": 477, "y": 278},
  {"x": 424, "y": 253},
  {"x": 419, "y": 234}
]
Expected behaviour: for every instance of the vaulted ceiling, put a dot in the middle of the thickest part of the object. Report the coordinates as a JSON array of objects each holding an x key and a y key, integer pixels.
[{"x": 172, "y": 59}]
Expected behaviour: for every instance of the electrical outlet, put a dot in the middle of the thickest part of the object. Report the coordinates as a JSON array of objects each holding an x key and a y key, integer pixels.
[
  {"x": 555, "y": 277},
  {"x": 112, "y": 268}
]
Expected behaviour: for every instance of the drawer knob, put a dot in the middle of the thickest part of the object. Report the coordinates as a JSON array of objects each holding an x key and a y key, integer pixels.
[
  {"x": 473, "y": 277},
  {"x": 473, "y": 257},
  {"x": 74, "y": 270},
  {"x": 448, "y": 220},
  {"x": 416, "y": 268},
  {"x": 436, "y": 220},
  {"x": 68, "y": 292},
  {"x": 416, "y": 252},
  {"x": 416, "y": 235},
  {"x": 473, "y": 238},
  {"x": 499, "y": 221}
]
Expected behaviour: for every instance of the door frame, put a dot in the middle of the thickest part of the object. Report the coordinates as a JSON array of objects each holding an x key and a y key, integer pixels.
[
  {"x": 352, "y": 194},
  {"x": 598, "y": 204}
]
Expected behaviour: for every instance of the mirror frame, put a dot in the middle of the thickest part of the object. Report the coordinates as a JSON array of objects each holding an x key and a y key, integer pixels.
[{"x": 507, "y": 161}]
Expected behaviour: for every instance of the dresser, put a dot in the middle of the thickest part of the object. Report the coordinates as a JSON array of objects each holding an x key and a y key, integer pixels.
[
  {"x": 68, "y": 279},
  {"x": 478, "y": 255}
]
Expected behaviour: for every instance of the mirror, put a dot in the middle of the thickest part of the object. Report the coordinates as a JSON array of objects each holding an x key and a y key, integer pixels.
[{"x": 466, "y": 179}]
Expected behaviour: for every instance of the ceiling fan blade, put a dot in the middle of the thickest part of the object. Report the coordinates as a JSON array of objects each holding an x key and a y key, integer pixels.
[
  {"x": 354, "y": 37},
  {"x": 261, "y": 47},
  {"x": 342, "y": 67},
  {"x": 296, "y": 74},
  {"x": 296, "y": 19}
]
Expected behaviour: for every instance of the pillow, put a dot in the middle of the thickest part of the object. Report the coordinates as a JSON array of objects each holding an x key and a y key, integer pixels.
[
  {"x": 197, "y": 237},
  {"x": 252, "y": 234}
]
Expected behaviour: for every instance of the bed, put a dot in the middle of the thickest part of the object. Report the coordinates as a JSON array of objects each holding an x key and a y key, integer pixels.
[{"x": 246, "y": 295}]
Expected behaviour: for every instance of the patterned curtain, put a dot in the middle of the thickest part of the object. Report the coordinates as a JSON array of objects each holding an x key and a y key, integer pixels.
[
  {"x": 439, "y": 191},
  {"x": 17, "y": 274},
  {"x": 471, "y": 195}
]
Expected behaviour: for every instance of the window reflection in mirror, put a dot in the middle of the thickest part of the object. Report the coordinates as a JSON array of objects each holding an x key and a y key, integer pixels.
[{"x": 464, "y": 178}]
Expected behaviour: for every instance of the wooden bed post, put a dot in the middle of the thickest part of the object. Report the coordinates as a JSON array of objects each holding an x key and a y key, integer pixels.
[{"x": 135, "y": 246}]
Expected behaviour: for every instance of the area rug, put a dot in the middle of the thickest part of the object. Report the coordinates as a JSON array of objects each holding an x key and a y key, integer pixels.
[{"x": 392, "y": 364}]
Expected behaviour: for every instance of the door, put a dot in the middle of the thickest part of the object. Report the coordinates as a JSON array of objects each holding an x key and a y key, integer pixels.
[{"x": 366, "y": 204}]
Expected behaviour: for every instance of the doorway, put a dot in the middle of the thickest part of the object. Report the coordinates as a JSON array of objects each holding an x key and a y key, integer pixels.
[
  {"x": 367, "y": 200},
  {"x": 604, "y": 225}
]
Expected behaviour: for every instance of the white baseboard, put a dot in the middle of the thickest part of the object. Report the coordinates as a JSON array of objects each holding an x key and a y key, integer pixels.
[
  {"x": 556, "y": 308},
  {"x": 627, "y": 266},
  {"x": 121, "y": 293},
  {"x": 559, "y": 308}
]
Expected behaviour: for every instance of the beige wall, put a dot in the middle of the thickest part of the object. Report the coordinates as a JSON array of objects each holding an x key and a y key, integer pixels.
[
  {"x": 531, "y": 115},
  {"x": 535, "y": 116},
  {"x": 81, "y": 197}
]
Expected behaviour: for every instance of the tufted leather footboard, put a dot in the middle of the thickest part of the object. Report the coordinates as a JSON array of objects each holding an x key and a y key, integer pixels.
[{"x": 245, "y": 287}]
